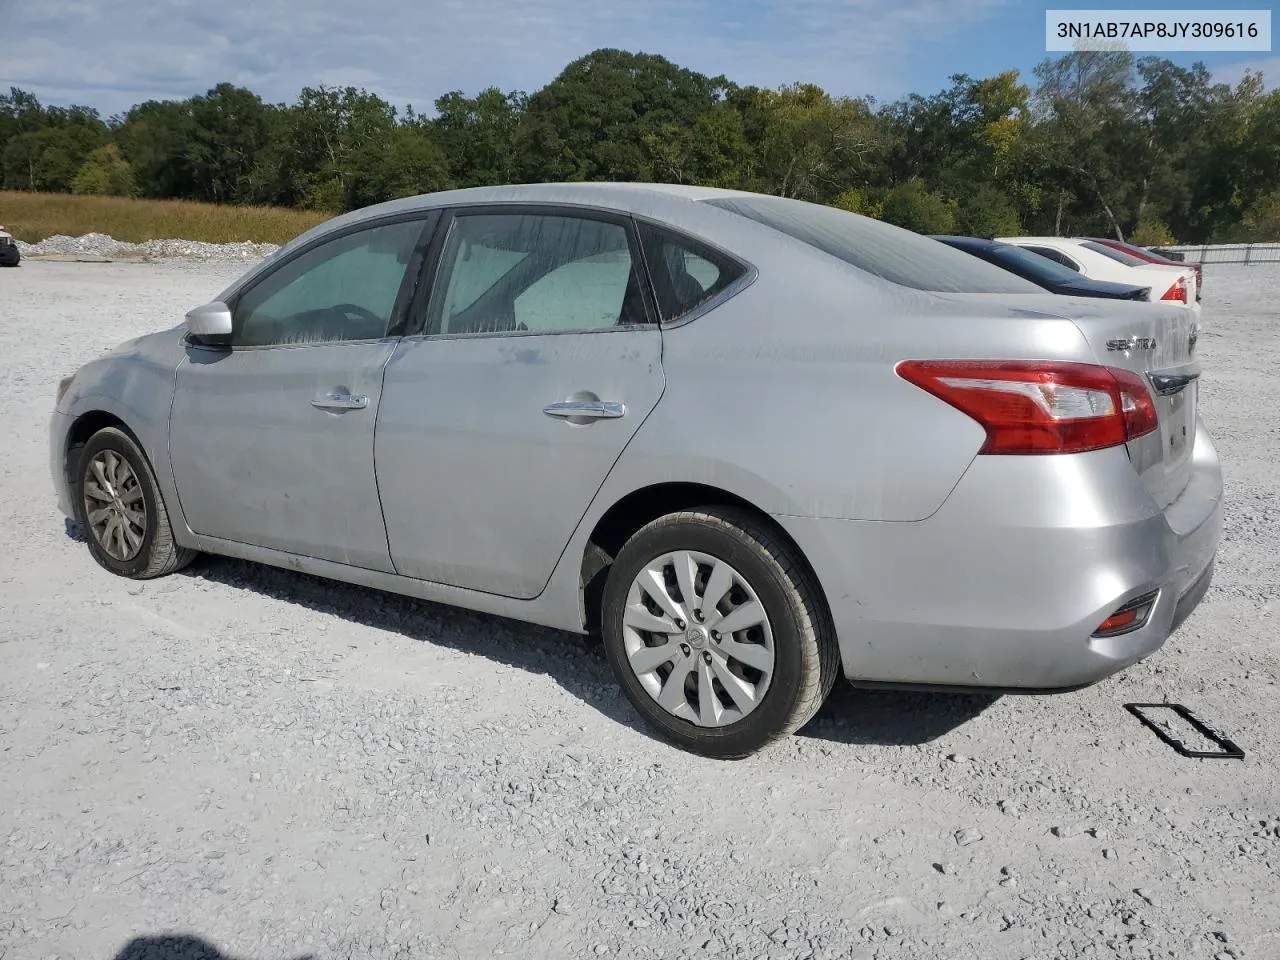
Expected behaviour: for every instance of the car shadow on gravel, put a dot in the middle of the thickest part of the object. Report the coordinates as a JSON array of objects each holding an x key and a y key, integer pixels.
[
  {"x": 893, "y": 718},
  {"x": 175, "y": 947},
  {"x": 578, "y": 663}
]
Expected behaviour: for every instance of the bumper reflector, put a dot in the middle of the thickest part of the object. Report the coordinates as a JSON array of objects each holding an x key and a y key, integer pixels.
[{"x": 1132, "y": 616}]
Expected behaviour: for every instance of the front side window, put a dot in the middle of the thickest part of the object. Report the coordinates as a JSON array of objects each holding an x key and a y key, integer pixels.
[
  {"x": 686, "y": 274},
  {"x": 349, "y": 288},
  {"x": 506, "y": 273}
]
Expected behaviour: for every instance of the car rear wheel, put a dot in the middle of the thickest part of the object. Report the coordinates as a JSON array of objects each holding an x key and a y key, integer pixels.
[
  {"x": 717, "y": 633},
  {"x": 120, "y": 510}
]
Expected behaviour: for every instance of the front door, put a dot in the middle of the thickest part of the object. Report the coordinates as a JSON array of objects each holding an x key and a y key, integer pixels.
[
  {"x": 272, "y": 441},
  {"x": 498, "y": 425}
]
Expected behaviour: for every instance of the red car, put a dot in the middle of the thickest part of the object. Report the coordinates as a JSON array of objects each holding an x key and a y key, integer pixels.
[{"x": 1144, "y": 254}]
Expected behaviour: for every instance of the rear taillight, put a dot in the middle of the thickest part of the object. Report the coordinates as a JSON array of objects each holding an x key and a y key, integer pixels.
[
  {"x": 1177, "y": 292},
  {"x": 1040, "y": 406}
]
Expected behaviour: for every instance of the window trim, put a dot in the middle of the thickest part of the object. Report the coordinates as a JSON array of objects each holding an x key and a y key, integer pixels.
[
  {"x": 749, "y": 275},
  {"x": 424, "y": 296},
  {"x": 412, "y": 280}
]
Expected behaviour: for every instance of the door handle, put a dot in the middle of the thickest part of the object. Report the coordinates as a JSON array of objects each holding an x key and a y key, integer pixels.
[
  {"x": 585, "y": 410},
  {"x": 341, "y": 401}
]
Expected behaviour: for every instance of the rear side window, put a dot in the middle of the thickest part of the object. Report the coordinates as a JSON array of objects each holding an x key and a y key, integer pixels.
[
  {"x": 1128, "y": 259},
  {"x": 507, "y": 272},
  {"x": 686, "y": 273},
  {"x": 891, "y": 253},
  {"x": 1056, "y": 256}
]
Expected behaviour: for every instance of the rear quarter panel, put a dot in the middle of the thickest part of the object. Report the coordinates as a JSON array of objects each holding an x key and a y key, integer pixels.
[{"x": 786, "y": 394}]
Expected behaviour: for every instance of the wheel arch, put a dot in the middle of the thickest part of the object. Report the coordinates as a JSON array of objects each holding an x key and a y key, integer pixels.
[
  {"x": 84, "y": 426},
  {"x": 642, "y": 506}
]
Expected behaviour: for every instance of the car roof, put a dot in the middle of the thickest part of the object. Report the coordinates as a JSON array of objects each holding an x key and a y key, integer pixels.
[
  {"x": 976, "y": 243},
  {"x": 1047, "y": 241},
  {"x": 623, "y": 197},
  {"x": 661, "y": 201}
]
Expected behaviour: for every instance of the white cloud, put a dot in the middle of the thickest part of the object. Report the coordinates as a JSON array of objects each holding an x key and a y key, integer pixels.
[
  {"x": 113, "y": 53},
  {"x": 1233, "y": 73}
]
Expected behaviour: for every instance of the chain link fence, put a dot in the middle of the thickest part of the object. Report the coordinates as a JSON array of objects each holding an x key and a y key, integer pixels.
[{"x": 1224, "y": 253}]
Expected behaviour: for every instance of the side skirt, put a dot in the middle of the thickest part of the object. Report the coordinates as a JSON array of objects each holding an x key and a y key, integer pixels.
[{"x": 540, "y": 611}]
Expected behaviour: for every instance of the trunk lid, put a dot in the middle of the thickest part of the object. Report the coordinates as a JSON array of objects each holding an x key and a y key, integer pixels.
[{"x": 1158, "y": 342}]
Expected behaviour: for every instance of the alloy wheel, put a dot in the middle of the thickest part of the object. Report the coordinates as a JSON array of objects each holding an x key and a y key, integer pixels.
[
  {"x": 114, "y": 505},
  {"x": 698, "y": 638}
]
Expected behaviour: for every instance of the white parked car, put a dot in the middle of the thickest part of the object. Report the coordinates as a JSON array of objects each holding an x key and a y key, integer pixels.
[{"x": 1101, "y": 262}]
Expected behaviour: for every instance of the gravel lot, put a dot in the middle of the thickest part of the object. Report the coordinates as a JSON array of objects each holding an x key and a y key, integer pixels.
[{"x": 267, "y": 765}]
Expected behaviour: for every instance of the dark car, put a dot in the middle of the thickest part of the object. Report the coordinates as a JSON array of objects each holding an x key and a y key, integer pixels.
[
  {"x": 1047, "y": 273},
  {"x": 9, "y": 255}
]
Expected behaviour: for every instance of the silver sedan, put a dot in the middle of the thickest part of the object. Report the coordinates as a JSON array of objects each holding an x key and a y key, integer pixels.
[{"x": 753, "y": 442}]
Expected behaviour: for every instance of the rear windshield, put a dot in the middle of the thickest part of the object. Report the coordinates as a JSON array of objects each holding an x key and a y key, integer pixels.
[
  {"x": 886, "y": 251},
  {"x": 1034, "y": 263},
  {"x": 1128, "y": 259}
]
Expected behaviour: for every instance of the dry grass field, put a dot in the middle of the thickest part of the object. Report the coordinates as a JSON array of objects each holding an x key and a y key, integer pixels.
[{"x": 34, "y": 216}]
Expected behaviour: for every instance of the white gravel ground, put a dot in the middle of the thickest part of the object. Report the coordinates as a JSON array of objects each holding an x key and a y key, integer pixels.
[
  {"x": 269, "y": 765},
  {"x": 97, "y": 246}
]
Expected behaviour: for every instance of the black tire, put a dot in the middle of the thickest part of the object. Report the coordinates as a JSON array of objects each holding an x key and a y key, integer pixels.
[
  {"x": 807, "y": 658},
  {"x": 158, "y": 553}
]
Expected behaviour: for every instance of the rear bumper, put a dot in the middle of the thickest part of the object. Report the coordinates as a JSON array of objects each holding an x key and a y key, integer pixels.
[{"x": 1005, "y": 584}]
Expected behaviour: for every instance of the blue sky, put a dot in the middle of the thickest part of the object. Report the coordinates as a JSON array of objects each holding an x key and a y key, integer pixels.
[{"x": 113, "y": 53}]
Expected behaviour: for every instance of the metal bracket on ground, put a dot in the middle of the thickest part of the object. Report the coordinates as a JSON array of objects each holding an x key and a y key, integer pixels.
[{"x": 1229, "y": 750}]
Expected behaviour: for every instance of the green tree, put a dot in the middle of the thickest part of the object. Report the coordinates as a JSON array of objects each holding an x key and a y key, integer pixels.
[
  {"x": 1104, "y": 144},
  {"x": 323, "y": 146},
  {"x": 1262, "y": 220},
  {"x": 713, "y": 152},
  {"x": 106, "y": 173},
  {"x": 591, "y": 122},
  {"x": 153, "y": 139},
  {"x": 478, "y": 136},
  {"x": 968, "y": 133},
  {"x": 810, "y": 145},
  {"x": 859, "y": 201},
  {"x": 915, "y": 207},
  {"x": 227, "y": 130},
  {"x": 49, "y": 158},
  {"x": 20, "y": 112},
  {"x": 403, "y": 162},
  {"x": 987, "y": 211},
  {"x": 1086, "y": 128},
  {"x": 1151, "y": 233}
]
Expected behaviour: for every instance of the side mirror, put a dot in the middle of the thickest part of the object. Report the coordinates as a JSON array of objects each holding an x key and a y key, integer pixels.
[{"x": 210, "y": 324}]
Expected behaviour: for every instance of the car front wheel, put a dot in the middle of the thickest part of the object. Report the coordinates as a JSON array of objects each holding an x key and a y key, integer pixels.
[
  {"x": 120, "y": 510},
  {"x": 717, "y": 632}
]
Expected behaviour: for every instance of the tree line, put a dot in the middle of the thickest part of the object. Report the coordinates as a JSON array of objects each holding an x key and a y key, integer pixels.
[{"x": 1101, "y": 143}]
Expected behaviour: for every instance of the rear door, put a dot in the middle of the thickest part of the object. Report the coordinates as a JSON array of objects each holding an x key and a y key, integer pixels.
[{"x": 537, "y": 361}]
